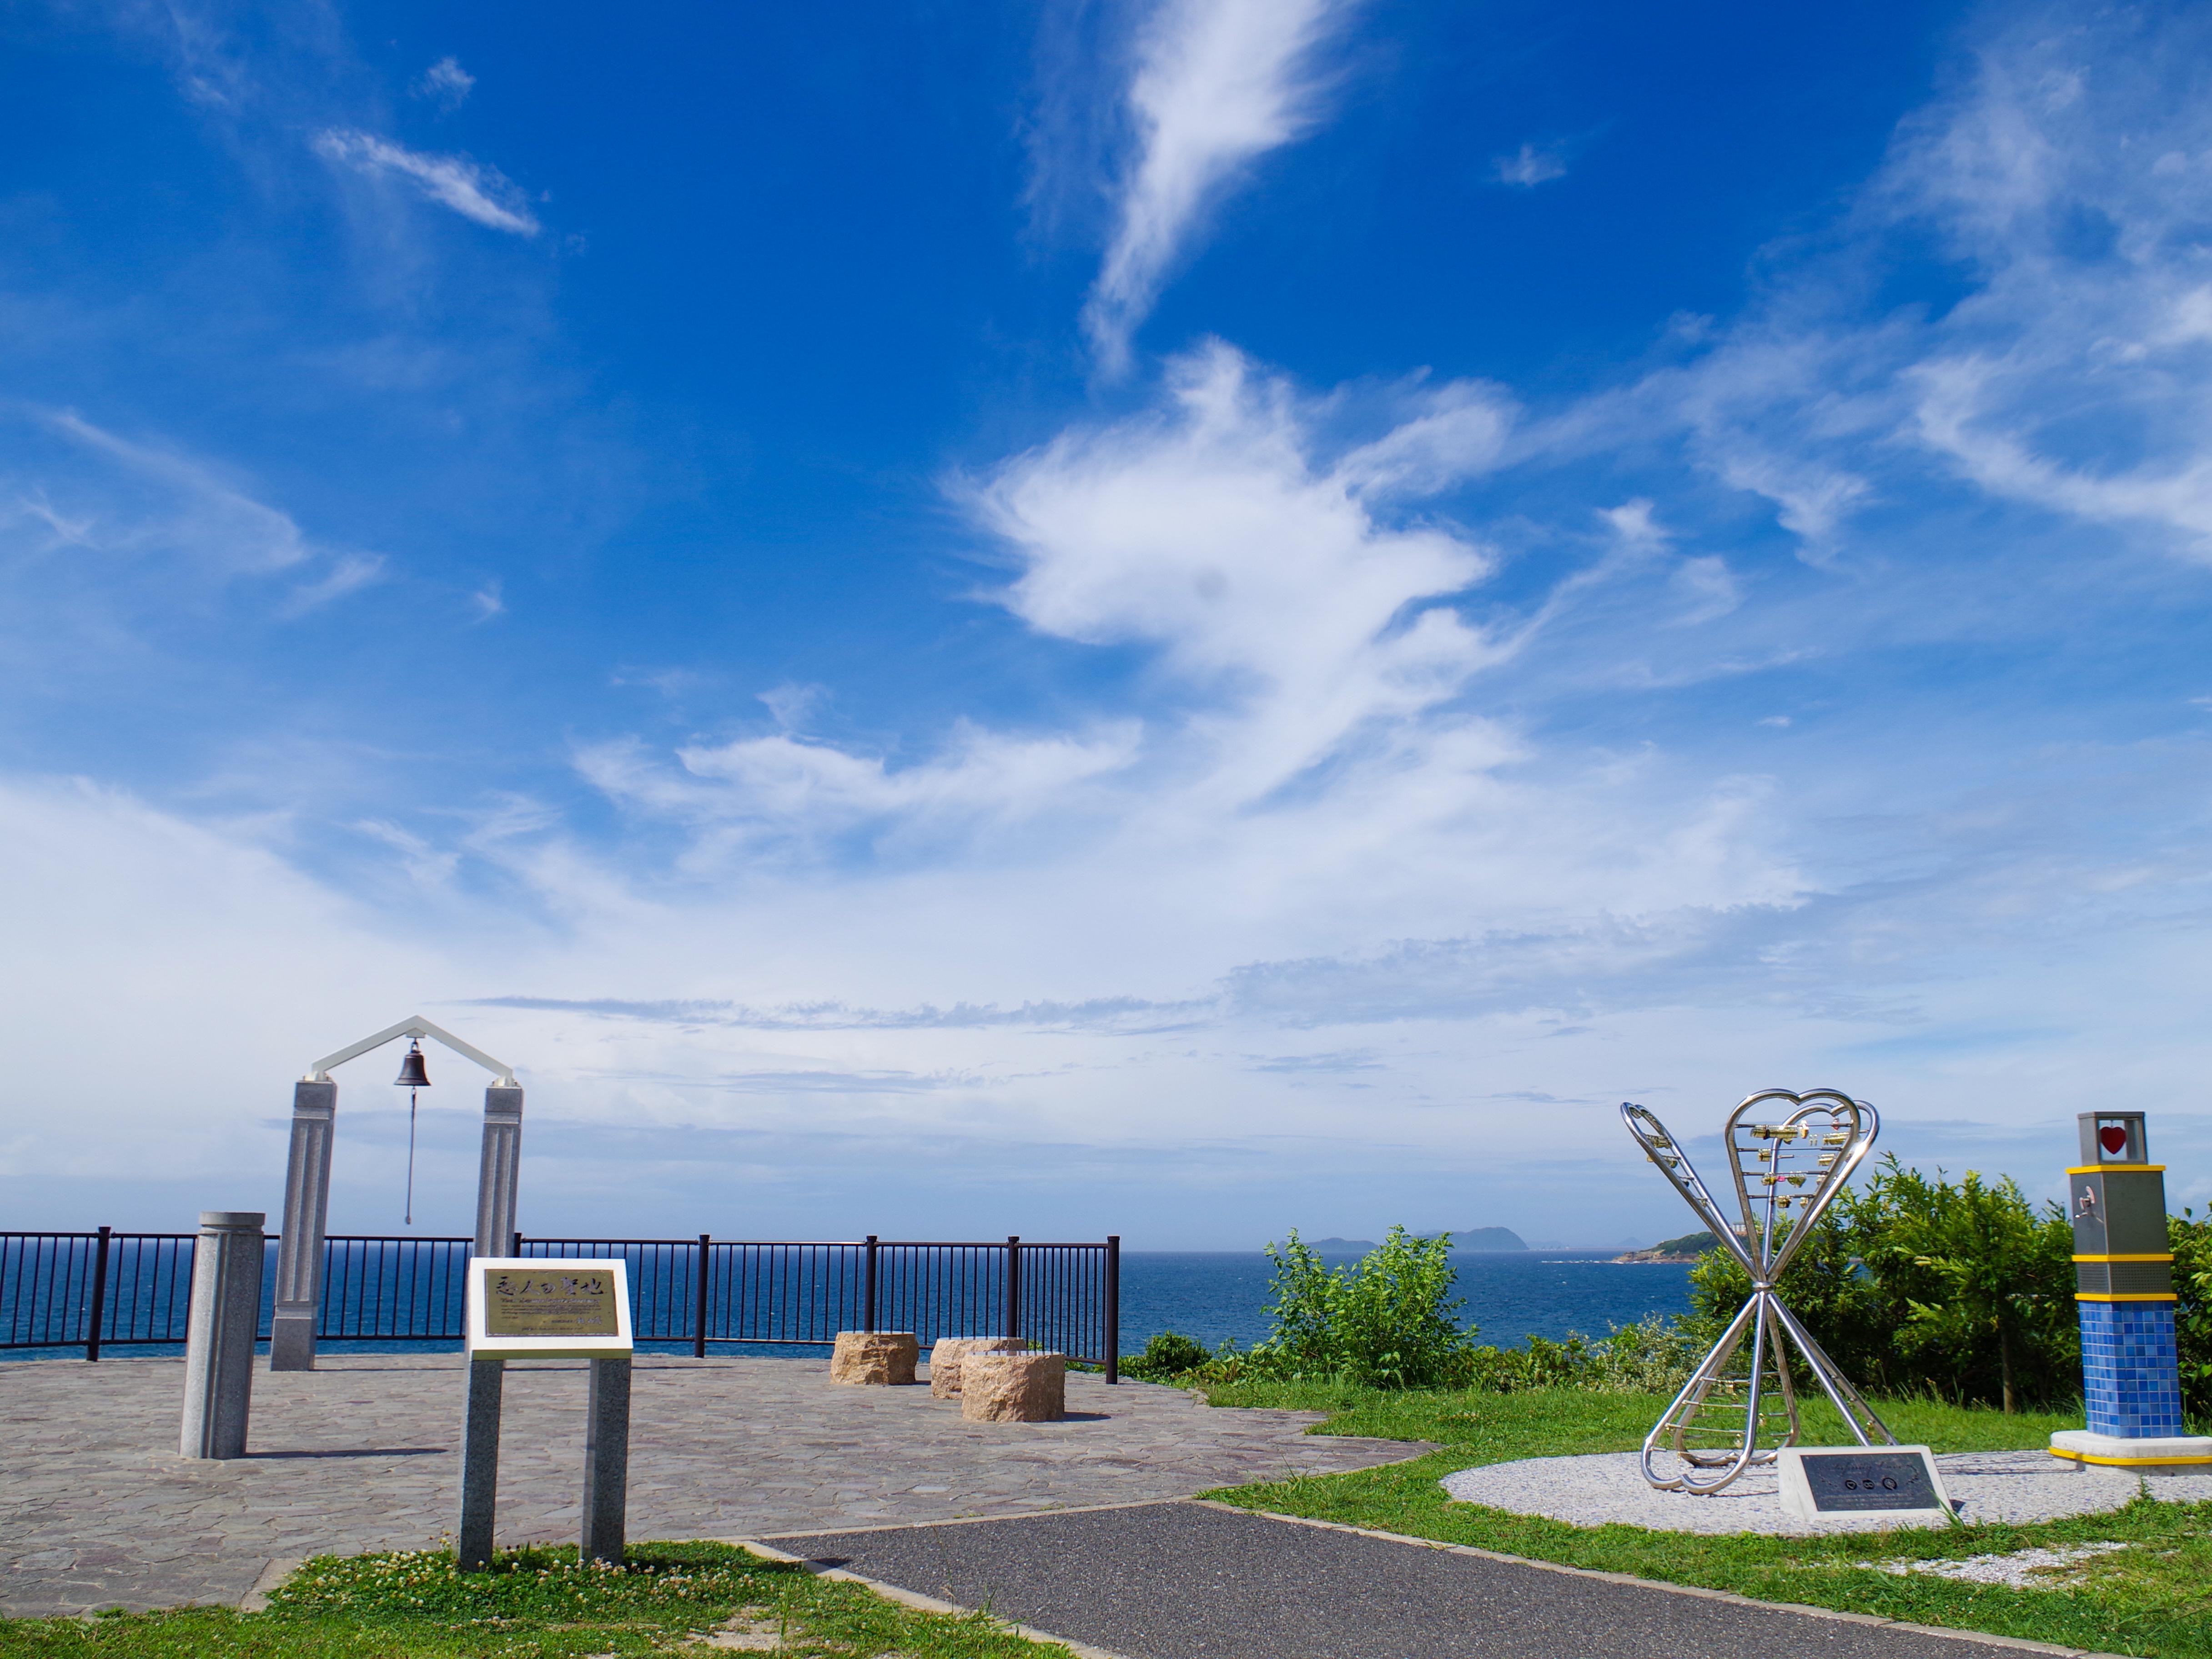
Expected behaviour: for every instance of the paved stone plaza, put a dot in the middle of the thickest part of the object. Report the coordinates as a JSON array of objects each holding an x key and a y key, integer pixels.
[{"x": 97, "y": 1510}]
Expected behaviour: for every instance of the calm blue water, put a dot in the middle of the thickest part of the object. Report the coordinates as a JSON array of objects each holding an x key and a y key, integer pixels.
[{"x": 1216, "y": 1295}]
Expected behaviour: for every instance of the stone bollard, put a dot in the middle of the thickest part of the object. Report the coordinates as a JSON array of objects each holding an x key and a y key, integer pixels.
[
  {"x": 945, "y": 1359},
  {"x": 874, "y": 1356},
  {"x": 1013, "y": 1387},
  {"x": 226, "y": 1307}
]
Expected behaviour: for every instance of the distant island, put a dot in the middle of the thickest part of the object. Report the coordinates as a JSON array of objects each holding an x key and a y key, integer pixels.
[
  {"x": 1487, "y": 1240},
  {"x": 1688, "y": 1248},
  {"x": 1341, "y": 1246}
]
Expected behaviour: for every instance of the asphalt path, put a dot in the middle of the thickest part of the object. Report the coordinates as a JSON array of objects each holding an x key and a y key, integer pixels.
[{"x": 1190, "y": 1581}]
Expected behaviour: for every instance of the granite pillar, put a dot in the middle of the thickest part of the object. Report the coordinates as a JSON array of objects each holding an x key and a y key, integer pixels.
[
  {"x": 498, "y": 1171},
  {"x": 606, "y": 1461},
  {"x": 300, "y": 1250},
  {"x": 480, "y": 1461},
  {"x": 225, "y": 1309}
]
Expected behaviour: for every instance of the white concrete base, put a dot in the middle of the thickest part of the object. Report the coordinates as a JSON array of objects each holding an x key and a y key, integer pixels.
[
  {"x": 2181, "y": 1454},
  {"x": 2007, "y": 1486}
]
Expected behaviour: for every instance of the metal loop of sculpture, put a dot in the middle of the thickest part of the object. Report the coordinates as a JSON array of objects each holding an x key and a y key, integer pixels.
[{"x": 1791, "y": 1155}]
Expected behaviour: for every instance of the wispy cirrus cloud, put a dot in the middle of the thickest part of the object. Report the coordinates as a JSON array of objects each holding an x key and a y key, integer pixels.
[
  {"x": 444, "y": 83},
  {"x": 1217, "y": 84},
  {"x": 470, "y": 188},
  {"x": 1530, "y": 166}
]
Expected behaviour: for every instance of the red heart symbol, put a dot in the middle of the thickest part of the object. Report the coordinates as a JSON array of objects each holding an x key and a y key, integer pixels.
[{"x": 2112, "y": 1138}]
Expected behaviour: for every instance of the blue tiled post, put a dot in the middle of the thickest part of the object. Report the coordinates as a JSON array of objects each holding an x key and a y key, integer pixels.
[{"x": 2124, "y": 1289}]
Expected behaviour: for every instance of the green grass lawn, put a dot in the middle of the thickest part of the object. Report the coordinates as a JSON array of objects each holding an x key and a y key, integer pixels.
[
  {"x": 2153, "y": 1598},
  {"x": 538, "y": 1604}
]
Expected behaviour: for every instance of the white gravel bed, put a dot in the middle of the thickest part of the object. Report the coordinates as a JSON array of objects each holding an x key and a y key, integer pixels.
[
  {"x": 2022, "y": 1569},
  {"x": 1609, "y": 1487}
]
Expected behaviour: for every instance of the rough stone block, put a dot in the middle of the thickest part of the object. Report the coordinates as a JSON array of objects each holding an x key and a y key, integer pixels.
[
  {"x": 877, "y": 1357},
  {"x": 1013, "y": 1387},
  {"x": 945, "y": 1359}
]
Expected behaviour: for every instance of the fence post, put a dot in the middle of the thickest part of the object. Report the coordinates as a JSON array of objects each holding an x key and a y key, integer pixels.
[
  {"x": 868, "y": 1288},
  {"x": 99, "y": 1294},
  {"x": 1013, "y": 1284},
  {"x": 517, "y": 1250},
  {"x": 1113, "y": 1307},
  {"x": 699, "y": 1304}
]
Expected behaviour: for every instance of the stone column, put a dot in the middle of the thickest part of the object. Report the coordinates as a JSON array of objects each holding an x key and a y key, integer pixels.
[
  {"x": 226, "y": 1308},
  {"x": 499, "y": 1171},
  {"x": 606, "y": 1461},
  {"x": 299, "y": 1251},
  {"x": 480, "y": 1461}
]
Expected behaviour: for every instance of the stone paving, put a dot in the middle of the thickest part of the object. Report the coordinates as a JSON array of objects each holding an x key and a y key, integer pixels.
[{"x": 97, "y": 1510}]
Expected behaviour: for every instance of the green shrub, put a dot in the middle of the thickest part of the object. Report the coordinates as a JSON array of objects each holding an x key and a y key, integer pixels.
[
  {"x": 1167, "y": 1355},
  {"x": 1917, "y": 1284},
  {"x": 2190, "y": 1241},
  {"x": 1387, "y": 1320}
]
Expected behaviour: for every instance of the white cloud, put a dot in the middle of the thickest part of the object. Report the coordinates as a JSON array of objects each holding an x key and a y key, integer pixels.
[
  {"x": 445, "y": 84},
  {"x": 1218, "y": 83},
  {"x": 1530, "y": 166},
  {"x": 348, "y": 574},
  {"x": 470, "y": 188},
  {"x": 170, "y": 504}
]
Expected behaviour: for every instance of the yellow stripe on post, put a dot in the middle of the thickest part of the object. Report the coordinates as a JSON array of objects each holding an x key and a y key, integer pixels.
[
  {"x": 2123, "y": 1258},
  {"x": 2125, "y": 1295},
  {"x": 2123, "y": 1462},
  {"x": 2108, "y": 1169}
]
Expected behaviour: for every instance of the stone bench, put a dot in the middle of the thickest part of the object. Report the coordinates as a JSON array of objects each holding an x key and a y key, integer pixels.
[
  {"x": 1013, "y": 1387},
  {"x": 945, "y": 1359},
  {"x": 878, "y": 1358}
]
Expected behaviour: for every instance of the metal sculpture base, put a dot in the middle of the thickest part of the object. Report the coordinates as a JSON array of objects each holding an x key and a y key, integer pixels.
[{"x": 1740, "y": 1406}]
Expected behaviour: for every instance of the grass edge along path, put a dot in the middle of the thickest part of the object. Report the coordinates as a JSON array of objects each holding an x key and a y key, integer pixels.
[
  {"x": 537, "y": 1603},
  {"x": 2150, "y": 1599}
]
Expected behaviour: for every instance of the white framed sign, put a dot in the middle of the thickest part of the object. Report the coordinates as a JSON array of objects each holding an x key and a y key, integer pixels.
[
  {"x": 1901, "y": 1484},
  {"x": 532, "y": 1307}
]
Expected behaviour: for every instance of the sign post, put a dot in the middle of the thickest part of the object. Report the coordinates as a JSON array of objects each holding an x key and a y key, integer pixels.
[
  {"x": 2124, "y": 1289},
  {"x": 525, "y": 1307}
]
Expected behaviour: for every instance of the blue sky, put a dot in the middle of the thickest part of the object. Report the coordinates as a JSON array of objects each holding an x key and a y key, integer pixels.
[{"x": 1179, "y": 617}]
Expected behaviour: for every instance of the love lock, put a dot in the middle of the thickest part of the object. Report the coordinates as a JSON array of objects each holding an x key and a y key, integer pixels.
[{"x": 1790, "y": 1155}]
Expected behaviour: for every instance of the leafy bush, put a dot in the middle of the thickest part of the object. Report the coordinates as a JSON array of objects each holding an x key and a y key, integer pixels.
[
  {"x": 2190, "y": 1241},
  {"x": 1387, "y": 1320},
  {"x": 1917, "y": 1284},
  {"x": 1167, "y": 1355}
]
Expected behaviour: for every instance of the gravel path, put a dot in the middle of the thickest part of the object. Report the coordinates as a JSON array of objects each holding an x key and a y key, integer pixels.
[
  {"x": 1196, "y": 1581},
  {"x": 97, "y": 1510},
  {"x": 1608, "y": 1486}
]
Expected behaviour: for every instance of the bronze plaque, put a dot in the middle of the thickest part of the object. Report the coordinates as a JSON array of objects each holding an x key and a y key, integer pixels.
[{"x": 549, "y": 1301}]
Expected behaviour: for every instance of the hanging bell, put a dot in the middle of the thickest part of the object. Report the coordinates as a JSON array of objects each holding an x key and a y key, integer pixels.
[{"x": 412, "y": 1072}]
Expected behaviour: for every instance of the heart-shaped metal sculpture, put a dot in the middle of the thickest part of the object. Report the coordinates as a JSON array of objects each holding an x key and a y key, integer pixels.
[
  {"x": 2113, "y": 1139},
  {"x": 1790, "y": 1155}
]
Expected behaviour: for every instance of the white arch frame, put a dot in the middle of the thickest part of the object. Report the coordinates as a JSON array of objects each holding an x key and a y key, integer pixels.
[{"x": 307, "y": 1182}]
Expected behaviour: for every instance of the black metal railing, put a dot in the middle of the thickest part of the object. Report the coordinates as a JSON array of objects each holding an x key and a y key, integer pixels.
[
  {"x": 95, "y": 1290},
  {"x": 107, "y": 1289},
  {"x": 393, "y": 1289},
  {"x": 1064, "y": 1298}
]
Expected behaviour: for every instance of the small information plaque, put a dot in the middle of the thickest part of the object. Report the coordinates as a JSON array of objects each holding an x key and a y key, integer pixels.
[
  {"x": 1900, "y": 1483},
  {"x": 525, "y": 1308}
]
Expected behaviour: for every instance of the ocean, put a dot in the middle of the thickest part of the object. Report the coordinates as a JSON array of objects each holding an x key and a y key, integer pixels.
[
  {"x": 1219, "y": 1296},
  {"x": 1216, "y": 1296}
]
